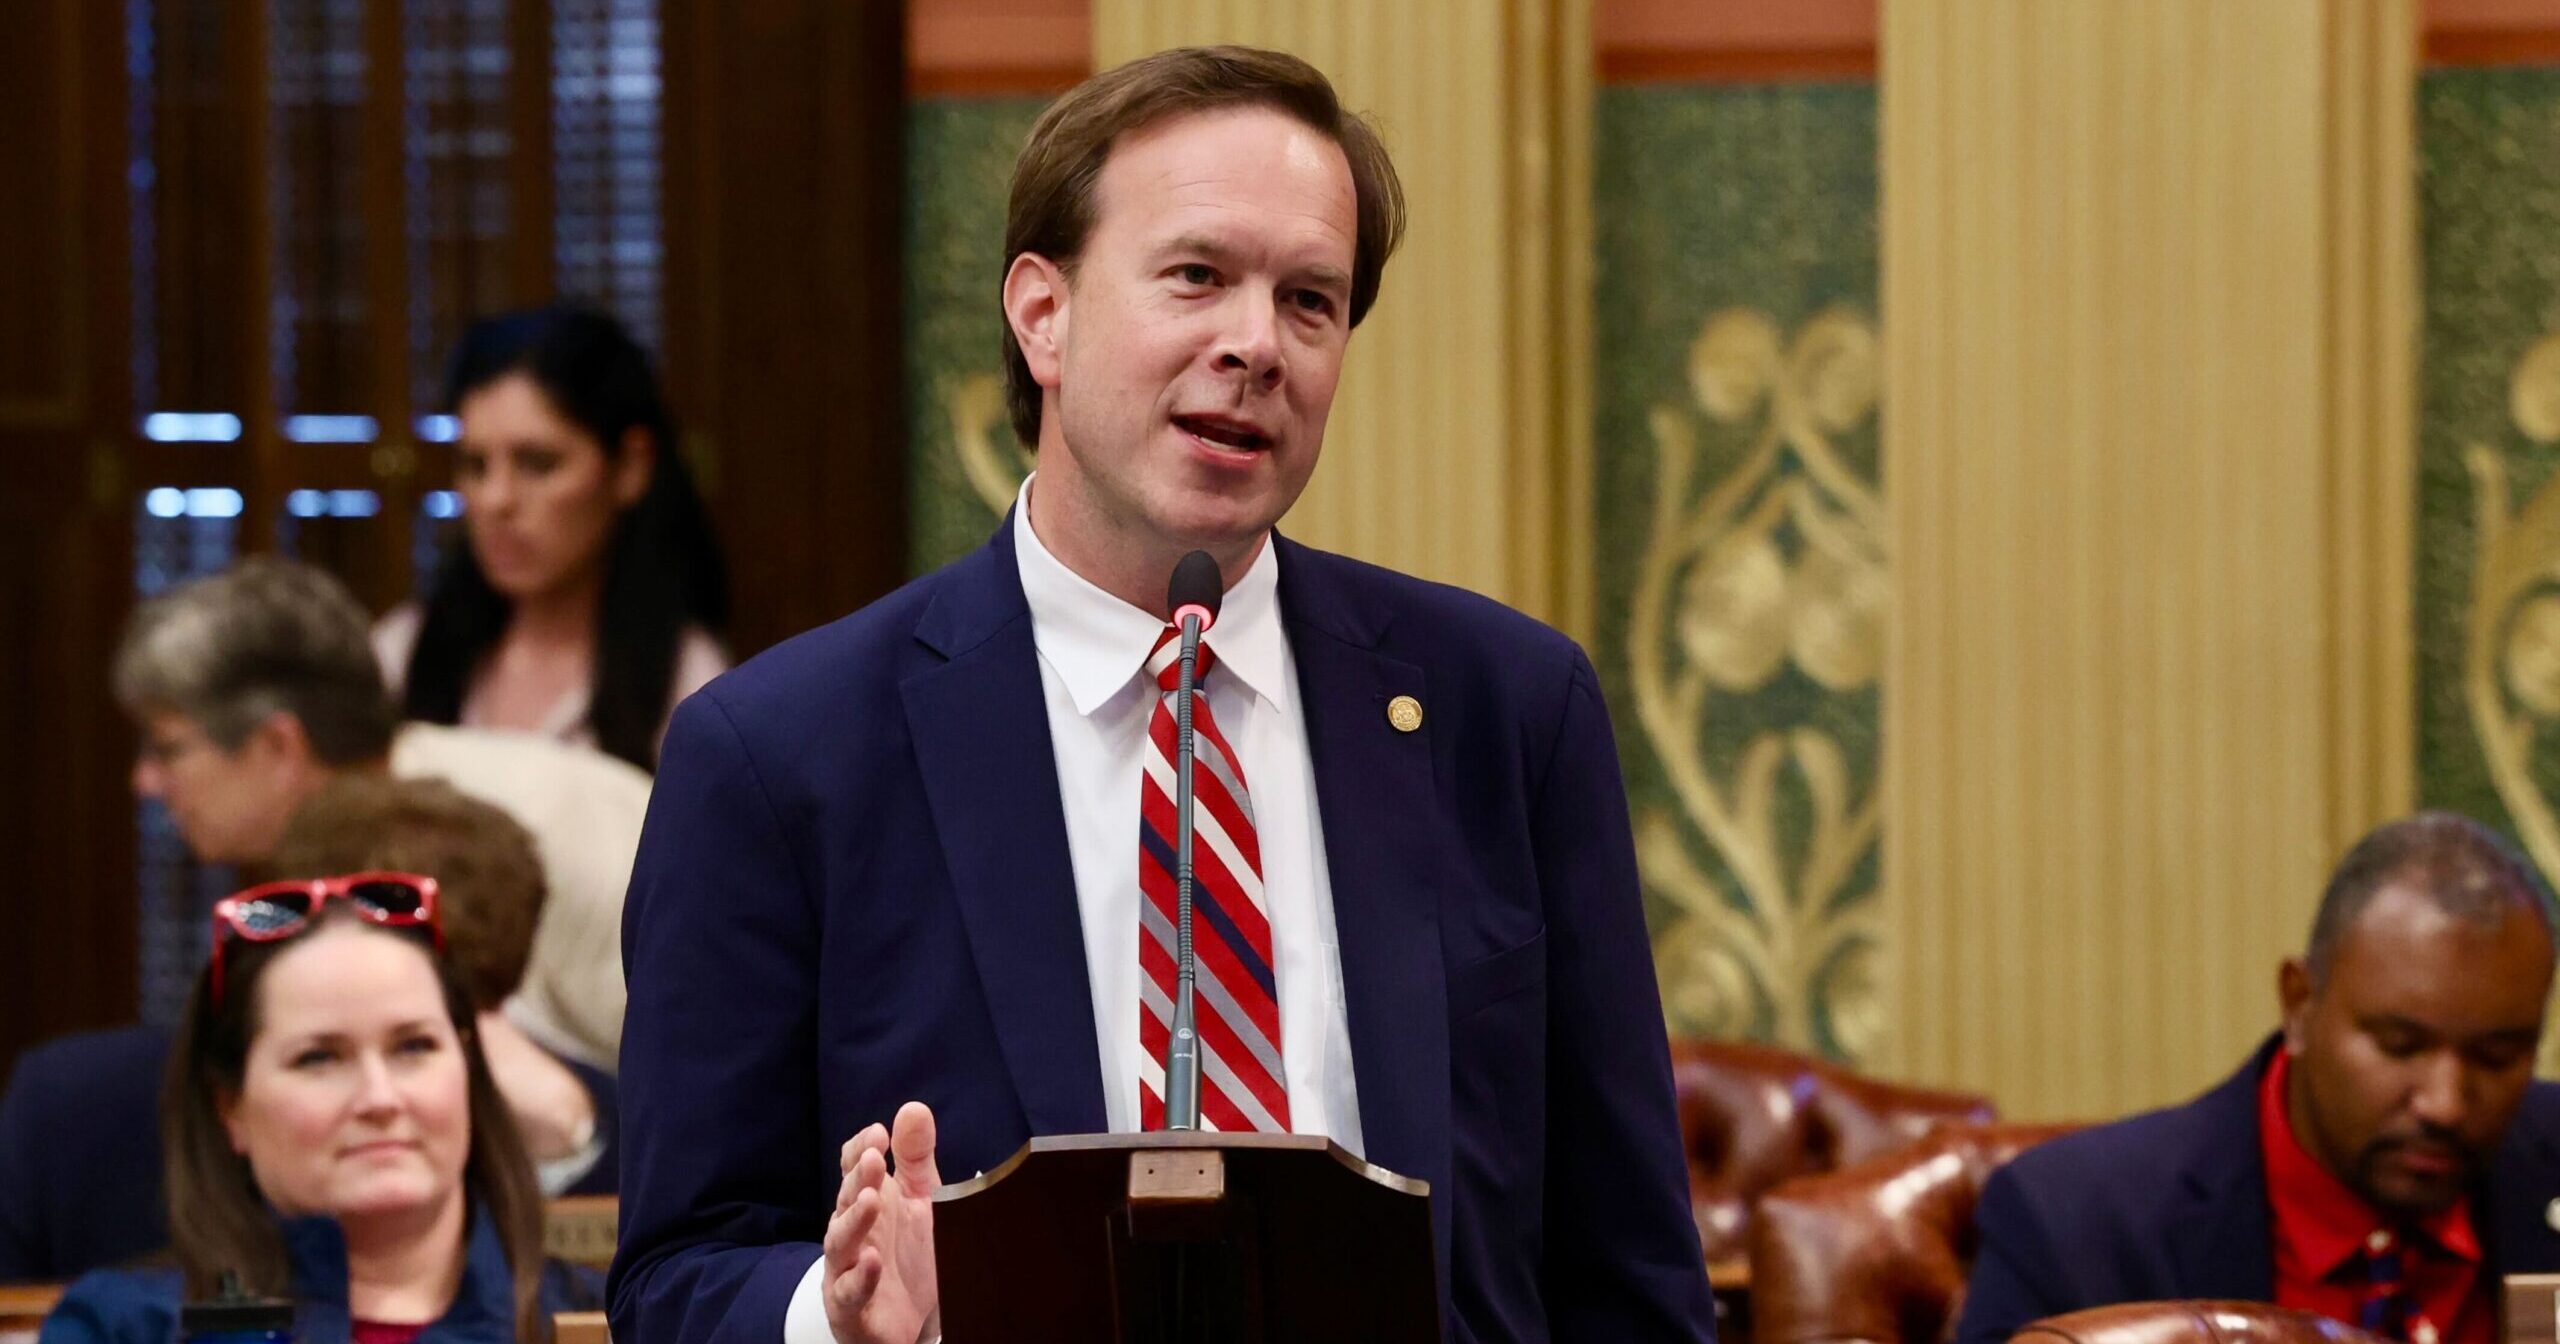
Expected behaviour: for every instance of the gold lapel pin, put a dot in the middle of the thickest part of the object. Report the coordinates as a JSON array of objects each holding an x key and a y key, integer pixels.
[{"x": 1405, "y": 713}]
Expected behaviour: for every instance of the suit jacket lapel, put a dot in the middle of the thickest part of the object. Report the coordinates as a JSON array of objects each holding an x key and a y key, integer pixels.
[
  {"x": 2523, "y": 1223},
  {"x": 2225, "y": 1243},
  {"x": 1376, "y": 800},
  {"x": 981, "y": 729}
]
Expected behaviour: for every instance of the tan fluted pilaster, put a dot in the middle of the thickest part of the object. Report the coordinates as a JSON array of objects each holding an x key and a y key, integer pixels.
[
  {"x": 1459, "y": 446},
  {"x": 2148, "y": 321}
]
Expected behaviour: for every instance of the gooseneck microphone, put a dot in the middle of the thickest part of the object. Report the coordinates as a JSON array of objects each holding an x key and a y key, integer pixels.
[{"x": 1192, "y": 599}]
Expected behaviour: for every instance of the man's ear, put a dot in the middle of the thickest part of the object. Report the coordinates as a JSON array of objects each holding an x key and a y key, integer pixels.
[
  {"x": 2293, "y": 995},
  {"x": 632, "y": 469},
  {"x": 1035, "y": 306},
  {"x": 281, "y": 736}
]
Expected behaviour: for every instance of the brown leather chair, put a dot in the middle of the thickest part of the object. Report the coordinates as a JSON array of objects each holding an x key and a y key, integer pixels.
[
  {"x": 1754, "y": 1115},
  {"x": 1878, "y": 1251},
  {"x": 2191, "y": 1322}
]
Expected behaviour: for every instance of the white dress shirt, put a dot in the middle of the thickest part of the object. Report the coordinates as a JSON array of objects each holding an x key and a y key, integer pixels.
[{"x": 1093, "y": 653}]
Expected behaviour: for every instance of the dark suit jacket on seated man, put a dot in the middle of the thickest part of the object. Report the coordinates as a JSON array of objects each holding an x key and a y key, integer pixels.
[
  {"x": 898, "y": 859},
  {"x": 80, "y": 1181},
  {"x": 2385, "y": 1160}
]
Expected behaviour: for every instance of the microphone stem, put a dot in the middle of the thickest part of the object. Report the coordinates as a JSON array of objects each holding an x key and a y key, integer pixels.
[{"x": 1182, "y": 1061}]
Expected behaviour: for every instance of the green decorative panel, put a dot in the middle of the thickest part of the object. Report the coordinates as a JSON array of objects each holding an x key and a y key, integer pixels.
[
  {"x": 1741, "y": 552},
  {"x": 2488, "y": 535},
  {"x": 963, "y": 465}
]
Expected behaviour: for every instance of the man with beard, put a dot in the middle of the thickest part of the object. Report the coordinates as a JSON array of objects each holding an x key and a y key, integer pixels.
[{"x": 2384, "y": 1161}]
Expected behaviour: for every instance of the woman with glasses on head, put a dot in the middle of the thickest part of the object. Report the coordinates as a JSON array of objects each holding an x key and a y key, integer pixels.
[
  {"x": 333, "y": 1139},
  {"x": 583, "y": 596}
]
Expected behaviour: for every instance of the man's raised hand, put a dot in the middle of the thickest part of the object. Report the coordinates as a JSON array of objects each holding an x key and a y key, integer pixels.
[{"x": 879, "y": 1278}]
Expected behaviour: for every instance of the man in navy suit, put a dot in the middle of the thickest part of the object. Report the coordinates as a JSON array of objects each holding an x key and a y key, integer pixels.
[
  {"x": 2384, "y": 1161},
  {"x": 893, "y": 867}
]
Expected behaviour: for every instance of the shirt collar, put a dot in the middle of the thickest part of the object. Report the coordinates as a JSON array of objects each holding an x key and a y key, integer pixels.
[
  {"x": 1099, "y": 644},
  {"x": 2321, "y": 1224}
]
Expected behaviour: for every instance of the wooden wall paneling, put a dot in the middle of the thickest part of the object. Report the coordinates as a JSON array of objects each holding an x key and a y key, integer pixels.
[
  {"x": 203, "y": 212},
  {"x": 976, "y": 48},
  {"x": 392, "y": 461},
  {"x": 246, "y": 79},
  {"x": 65, "y": 412},
  {"x": 2492, "y": 32},
  {"x": 785, "y": 127},
  {"x": 40, "y": 372},
  {"x": 1733, "y": 41},
  {"x": 529, "y": 188}
]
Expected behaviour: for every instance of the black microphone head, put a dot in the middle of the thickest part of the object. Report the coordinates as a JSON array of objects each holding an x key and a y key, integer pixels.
[{"x": 1196, "y": 587}]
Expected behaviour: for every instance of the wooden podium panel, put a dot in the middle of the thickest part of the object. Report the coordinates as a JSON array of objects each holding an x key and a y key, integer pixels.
[
  {"x": 1164, "y": 1237},
  {"x": 2531, "y": 1310}
]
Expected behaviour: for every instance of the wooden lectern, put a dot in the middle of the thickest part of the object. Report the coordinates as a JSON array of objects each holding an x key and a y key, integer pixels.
[
  {"x": 1169, "y": 1238},
  {"x": 2532, "y": 1308}
]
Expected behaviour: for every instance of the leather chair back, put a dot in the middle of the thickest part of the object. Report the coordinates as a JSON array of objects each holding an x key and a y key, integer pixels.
[
  {"x": 2191, "y": 1322},
  {"x": 1754, "y": 1115},
  {"x": 1878, "y": 1251}
]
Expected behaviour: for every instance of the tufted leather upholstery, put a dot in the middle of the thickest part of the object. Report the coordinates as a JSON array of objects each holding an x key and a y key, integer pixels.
[
  {"x": 2191, "y": 1323},
  {"x": 1878, "y": 1251},
  {"x": 1754, "y": 1115}
]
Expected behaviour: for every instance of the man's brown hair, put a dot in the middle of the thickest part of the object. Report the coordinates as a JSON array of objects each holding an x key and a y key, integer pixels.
[
  {"x": 488, "y": 876},
  {"x": 1052, "y": 209}
]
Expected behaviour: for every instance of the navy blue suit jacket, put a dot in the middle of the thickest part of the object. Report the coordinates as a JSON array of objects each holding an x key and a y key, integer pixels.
[
  {"x": 81, "y": 1183},
  {"x": 854, "y": 890},
  {"x": 2173, "y": 1204}
]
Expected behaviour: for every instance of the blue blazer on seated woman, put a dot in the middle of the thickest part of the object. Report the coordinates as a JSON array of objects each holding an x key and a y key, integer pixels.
[{"x": 140, "y": 1306}]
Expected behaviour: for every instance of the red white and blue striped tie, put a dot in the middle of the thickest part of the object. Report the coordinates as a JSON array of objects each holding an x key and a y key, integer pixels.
[{"x": 1235, "y": 997}]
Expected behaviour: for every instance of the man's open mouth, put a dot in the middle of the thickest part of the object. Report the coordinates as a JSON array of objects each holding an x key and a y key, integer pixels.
[{"x": 1221, "y": 433}]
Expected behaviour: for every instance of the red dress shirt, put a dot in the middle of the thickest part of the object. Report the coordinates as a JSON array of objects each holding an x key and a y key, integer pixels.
[{"x": 2322, "y": 1229}]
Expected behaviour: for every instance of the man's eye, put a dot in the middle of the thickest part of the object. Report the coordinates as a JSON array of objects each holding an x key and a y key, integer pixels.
[
  {"x": 2500, "y": 1058},
  {"x": 1314, "y": 301},
  {"x": 313, "y": 1058},
  {"x": 538, "y": 464},
  {"x": 1195, "y": 274}
]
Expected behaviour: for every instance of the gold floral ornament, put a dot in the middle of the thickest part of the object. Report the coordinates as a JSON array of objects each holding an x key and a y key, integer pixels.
[
  {"x": 1778, "y": 562},
  {"x": 991, "y": 460},
  {"x": 2511, "y": 646},
  {"x": 2533, "y": 393}
]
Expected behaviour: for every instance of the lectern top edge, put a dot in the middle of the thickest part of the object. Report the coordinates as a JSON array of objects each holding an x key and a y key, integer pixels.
[{"x": 1067, "y": 1143}]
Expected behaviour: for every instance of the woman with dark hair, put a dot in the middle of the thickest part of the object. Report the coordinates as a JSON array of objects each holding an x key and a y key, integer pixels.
[
  {"x": 333, "y": 1139},
  {"x": 583, "y": 597}
]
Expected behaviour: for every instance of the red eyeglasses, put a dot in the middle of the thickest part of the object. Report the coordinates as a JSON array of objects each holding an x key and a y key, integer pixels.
[{"x": 275, "y": 910}]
